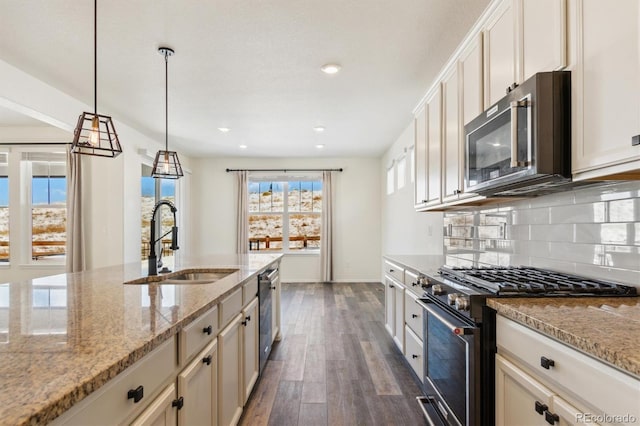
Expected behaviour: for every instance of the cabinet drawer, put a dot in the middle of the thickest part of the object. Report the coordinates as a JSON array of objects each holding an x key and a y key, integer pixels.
[
  {"x": 394, "y": 270},
  {"x": 411, "y": 281},
  {"x": 413, "y": 313},
  {"x": 111, "y": 401},
  {"x": 413, "y": 352},
  {"x": 197, "y": 334},
  {"x": 230, "y": 306},
  {"x": 249, "y": 291},
  {"x": 593, "y": 382}
]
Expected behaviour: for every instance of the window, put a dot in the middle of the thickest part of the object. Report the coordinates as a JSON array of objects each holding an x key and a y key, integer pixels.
[
  {"x": 47, "y": 172},
  {"x": 152, "y": 191},
  {"x": 402, "y": 171},
  {"x": 285, "y": 215},
  {"x": 4, "y": 207},
  {"x": 390, "y": 179}
]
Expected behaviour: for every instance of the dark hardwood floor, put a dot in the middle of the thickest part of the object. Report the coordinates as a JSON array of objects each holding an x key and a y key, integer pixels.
[{"x": 336, "y": 364}]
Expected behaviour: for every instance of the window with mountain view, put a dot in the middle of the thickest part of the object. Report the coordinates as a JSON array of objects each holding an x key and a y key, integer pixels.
[
  {"x": 4, "y": 207},
  {"x": 285, "y": 215},
  {"x": 152, "y": 191}
]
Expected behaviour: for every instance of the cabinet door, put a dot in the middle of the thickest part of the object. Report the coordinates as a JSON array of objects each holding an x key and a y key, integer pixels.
[
  {"x": 161, "y": 412},
  {"x": 434, "y": 147},
  {"x": 250, "y": 345},
  {"x": 420, "y": 151},
  {"x": 542, "y": 36},
  {"x": 230, "y": 395},
  {"x": 451, "y": 183},
  {"x": 398, "y": 313},
  {"x": 472, "y": 80},
  {"x": 499, "y": 53},
  {"x": 605, "y": 85},
  {"x": 389, "y": 306},
  {"x": 518, "y": 395},
  {"x": 197, "y": 385}
]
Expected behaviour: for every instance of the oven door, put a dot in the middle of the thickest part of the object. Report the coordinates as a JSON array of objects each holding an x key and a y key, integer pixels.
[
  {"x": 451, "y": 355},
  {"x": 498, "y": 145}
]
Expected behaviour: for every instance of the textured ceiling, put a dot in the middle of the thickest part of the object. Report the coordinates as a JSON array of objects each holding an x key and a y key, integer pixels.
[{"x": 252, "y": 66}]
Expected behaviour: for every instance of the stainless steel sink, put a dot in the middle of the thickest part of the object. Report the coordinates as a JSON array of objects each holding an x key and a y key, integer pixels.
[{"x": 187, "y": 276}]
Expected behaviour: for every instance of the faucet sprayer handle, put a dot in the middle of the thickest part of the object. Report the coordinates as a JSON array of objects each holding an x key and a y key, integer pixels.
[{"x": 174, "y": 238}]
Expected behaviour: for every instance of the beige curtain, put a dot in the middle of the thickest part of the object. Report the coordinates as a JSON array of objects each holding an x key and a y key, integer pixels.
[
  {"x": 326, "y": 231},
  {"x": 75, "y": 227},
  {"x": 242, "y": 234}
]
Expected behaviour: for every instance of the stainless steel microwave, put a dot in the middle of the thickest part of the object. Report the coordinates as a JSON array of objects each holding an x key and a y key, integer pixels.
[{"x": 521, "y": 145}]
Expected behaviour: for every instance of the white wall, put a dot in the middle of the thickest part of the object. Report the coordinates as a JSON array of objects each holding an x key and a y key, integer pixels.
[
  {"x": 357, "y": 214},
  {"x": 405, "y": 231},
  {"x": 112, "y": 185}
]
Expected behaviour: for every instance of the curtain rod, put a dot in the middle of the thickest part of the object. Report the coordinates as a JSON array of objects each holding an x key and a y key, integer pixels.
[
  {"x": 34, "y": 143},
  {"x": 284, "y": 170}
]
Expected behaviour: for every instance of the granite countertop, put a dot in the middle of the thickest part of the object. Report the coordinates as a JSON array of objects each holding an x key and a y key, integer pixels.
[
  {"x": 64, "y": 336},
  {"x": 605, "y": 328}
]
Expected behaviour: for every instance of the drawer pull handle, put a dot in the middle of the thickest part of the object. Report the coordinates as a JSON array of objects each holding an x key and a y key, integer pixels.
[
  {"x": 546, "y": 363},
  {"x": 415, "y": 356},
  {"x": 136, "y": 394},
  {"x": 392, "y": 286},
  {"x": 391, "y": 270},
  {"x": 541, "y": 408},
  {"x": 414, "y": 316},
  {"x": 550, "y": 417},
  {"x": 207, "y": 359},
  {"x": 208, "y": 330},
  {"x": 178, "y": 403}
]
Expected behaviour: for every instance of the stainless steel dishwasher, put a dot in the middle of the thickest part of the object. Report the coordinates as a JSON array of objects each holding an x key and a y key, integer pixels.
[{"x": 265, "y": 288}]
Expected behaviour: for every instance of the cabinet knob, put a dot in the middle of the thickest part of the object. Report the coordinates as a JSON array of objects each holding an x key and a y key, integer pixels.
[
  {"x": 392, "y": 286},
  {"x": 208, "y": 330},
  {"x": 456, "y": 192},
  {"x": 551, "y": 418},
  {"x": 414, "y": 316},
  {"x": 541, "y": 408},
  {"x": 178, "y": 402},
  {"x": 414, "y": 356},
  {"x": 248, "y": 317},
  {"x": 546, "y": 363},
  {"x": 136, "y": 394},
  {"x": 511, "y": 88},
  {"x": 414, "y": 284},
  {"x": 244, "y": 323},
  {"x": 392, "y": 270},
  {"x": 273, "y": 288},
  {"x": 207, "y": 359}
]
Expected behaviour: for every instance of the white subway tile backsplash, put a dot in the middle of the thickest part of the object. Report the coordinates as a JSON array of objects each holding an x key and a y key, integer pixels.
[{"x": 594, "y": 231}]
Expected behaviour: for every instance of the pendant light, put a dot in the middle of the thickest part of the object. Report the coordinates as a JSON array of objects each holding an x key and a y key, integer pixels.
[
  {"x": 166, "y": 164},
  {"x": 95, "y": 133}
]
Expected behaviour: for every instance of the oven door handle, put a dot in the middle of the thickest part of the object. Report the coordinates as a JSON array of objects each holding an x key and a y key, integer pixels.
[{"x": 458, "y": 331}]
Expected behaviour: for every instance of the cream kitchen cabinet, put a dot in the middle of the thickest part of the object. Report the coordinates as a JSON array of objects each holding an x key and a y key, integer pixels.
[
  {"x": 434, "y": 147},
  {"x": 452, "y": 136},
  {"x": 604, "y": 45},
  {"x": 532, "y": 367},
  {"x": 197, "y": 389},
  {"x": 521, "y": 38},
  {"x": 250, "y": 346},
  {"x": 230, "y": 388},
  {"x": 394, "y": 302},
  {"x": 413, "y": 334},
  {"x": 162, "y": 411},
  {"x": 420, "y": 158}
]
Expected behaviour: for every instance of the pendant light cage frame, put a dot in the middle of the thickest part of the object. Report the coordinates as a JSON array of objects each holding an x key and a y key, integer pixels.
[
  {"x": 95, "y": 134},
  {"x": 166, "y": 165}
]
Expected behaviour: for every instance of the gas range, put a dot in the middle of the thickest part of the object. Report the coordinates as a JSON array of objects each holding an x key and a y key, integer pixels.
[{"x": 465, "y": 289}]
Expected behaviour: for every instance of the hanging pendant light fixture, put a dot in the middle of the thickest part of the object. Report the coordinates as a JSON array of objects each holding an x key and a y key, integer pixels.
[
  {"x": 95, "y": 133},
  {"x": 166, "y": 164}
]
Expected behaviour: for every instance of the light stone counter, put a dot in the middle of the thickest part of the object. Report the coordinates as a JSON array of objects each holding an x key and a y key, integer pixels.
[
  {"x": 92, "y": 327},
  {"x": 605, "y": 328}
]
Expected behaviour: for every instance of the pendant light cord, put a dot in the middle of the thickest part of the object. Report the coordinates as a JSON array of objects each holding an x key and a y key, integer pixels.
[
  {"x": 166, "y": 101},
  {"x": 95, "y": 57}
]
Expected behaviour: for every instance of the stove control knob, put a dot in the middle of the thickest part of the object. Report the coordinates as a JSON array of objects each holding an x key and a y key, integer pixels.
[
  {"x": 462, "y": 303},
  {"x": 438, "y": 289},
  {"x": 451, "y": 298}
]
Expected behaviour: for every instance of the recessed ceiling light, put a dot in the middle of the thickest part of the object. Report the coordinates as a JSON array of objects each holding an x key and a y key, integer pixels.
[
  {"x": 320, "y": 146},
  {"x": 224, "y": 129},
  {"x": 242, "y": 146},
  {"x": 319, "y": 129},
  {"x": 330, "y": 68}
]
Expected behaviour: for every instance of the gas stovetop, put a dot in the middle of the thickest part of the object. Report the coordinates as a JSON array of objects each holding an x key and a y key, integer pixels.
[{"x": 528, "y": 281}]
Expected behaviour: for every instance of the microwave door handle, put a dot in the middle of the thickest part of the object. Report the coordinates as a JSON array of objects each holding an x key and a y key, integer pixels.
[{"x": 514, "y": 133}]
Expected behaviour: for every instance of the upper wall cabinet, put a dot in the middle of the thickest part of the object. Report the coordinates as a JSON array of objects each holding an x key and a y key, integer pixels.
[
  {"x": 420, "y": 188},
  {"x": 605, "y": 63},
  {"x": 521, "y": 38},
  {"x": 452, "y": 135},
  {"x": 434, "y": 147}
]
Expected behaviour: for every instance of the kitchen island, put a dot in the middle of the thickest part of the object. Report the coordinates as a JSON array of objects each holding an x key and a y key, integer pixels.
[{"x": 95, "y": 326}]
